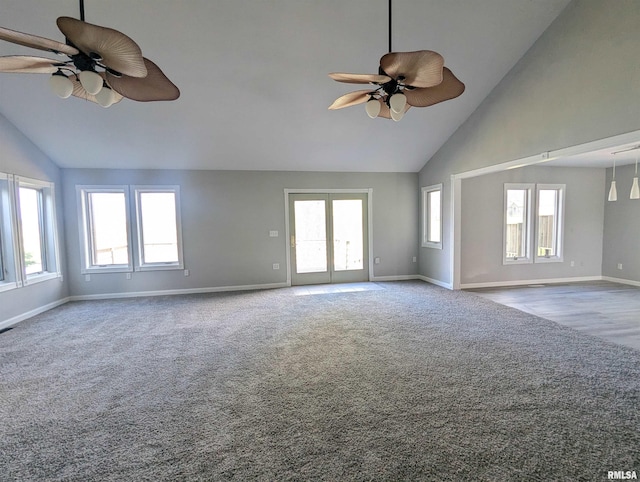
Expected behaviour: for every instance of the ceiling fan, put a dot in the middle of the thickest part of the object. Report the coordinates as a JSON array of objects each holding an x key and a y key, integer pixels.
[
  {"x": 103, "y": 66},
  {"x": 404, "y": 80}
]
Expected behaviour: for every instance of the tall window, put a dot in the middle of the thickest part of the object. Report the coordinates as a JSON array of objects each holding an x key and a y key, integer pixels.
[
  {"x": 524, "y": 204},
  {"x": 432, "y": 216},
  {"x": 158, "y": 227},
  {"x": 109, "y": 232},
  {"x": 517, "y": 223},
  {"x": 6, "y": 243},
  {"x": 104, "y": 233},
  {"x": 549, "y": 214},
  {"x": 32, "y": 230},
  {"x": 37, "y": 246}
]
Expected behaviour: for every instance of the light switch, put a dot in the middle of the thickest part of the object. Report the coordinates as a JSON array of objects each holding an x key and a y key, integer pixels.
[{"x": 273, "y": 234}]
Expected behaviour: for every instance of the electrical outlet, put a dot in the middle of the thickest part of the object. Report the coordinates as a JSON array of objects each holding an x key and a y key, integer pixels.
[
  {"x": 128, "y": 275},
  {"x": 187, "y": 272},
  {"x": 376, "y": 260},
  {"x": 87, "y": 277},
  {"x": 573, "y": 263},
  {"x": 619, "y": 265},
  {"x": 273, "y": 234},
  {"x": 415, "y": 259},
  {"x": 276, "y": 265}
]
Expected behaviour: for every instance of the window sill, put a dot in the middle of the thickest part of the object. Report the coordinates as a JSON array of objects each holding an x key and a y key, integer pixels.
[
  {"x": 8, "y": 285},
  {"x": 509, "y": 261},
  {"x": 39, "y": 278},
  {"x": 105, "y": 270},
  {"x": 432, "y": 245},
  {"x": 551, "y": 259},
  {"x": 160, "y": 267}
]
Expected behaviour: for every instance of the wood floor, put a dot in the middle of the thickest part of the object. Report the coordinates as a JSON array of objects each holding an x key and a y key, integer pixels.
[{"x": 600, "y": 308}]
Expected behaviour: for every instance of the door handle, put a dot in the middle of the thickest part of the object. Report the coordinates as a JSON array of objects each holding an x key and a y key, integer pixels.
[{"x": 293, "y": 241}]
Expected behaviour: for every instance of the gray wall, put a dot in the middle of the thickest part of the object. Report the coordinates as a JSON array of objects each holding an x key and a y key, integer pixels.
[
  {"x": 622, "y": 229},
  {"x": 226, "y": 219},
  {"x": 483, "y": 218},
  {"x": 18, "y": 155},
  {"x": 575, "y": 85}
]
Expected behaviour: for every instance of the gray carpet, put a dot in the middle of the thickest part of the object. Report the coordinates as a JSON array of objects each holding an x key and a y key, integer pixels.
[{"x": 411, "y": 382}]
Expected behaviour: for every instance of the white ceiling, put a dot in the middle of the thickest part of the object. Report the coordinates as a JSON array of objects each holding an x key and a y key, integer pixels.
[{"x": 253, "y": 77}]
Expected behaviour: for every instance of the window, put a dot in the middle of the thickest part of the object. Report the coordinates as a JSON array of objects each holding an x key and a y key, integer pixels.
[
  {"x": 108, "y": 235},
  {"x": 158, "y": 227},
  {"x": 549, "y": 214},
  {"x": 104, "y": 228},
  {"x": 432, "y": 216},
  {"x": 28, "y": 232},
  {"x": 517, "y": 223},
  {"x": 8, "y": 271}
]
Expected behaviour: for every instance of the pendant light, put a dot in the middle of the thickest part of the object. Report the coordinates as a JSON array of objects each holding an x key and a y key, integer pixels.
[
  {"x": 613, "y": 192},
  {"x": 635, "y": 189}
]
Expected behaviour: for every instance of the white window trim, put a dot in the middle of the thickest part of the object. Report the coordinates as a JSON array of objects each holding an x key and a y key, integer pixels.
[
  {"x": 559, "y": 256},
  {"x": 425, "y": 216},
  {"x": 136, "y": 190},
  {"x": 50, "y": 227},
  {"x": 85, "y": 243},
  {"x": 530, "y": 188}
]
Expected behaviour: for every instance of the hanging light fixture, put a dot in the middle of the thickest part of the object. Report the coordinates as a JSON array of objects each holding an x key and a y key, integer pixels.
[
  {"x": 635, "y": 189},
  {"x": 613, "y": 192}
]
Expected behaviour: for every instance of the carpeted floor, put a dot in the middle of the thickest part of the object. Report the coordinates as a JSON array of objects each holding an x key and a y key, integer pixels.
[{"x": 409, "y": 382}]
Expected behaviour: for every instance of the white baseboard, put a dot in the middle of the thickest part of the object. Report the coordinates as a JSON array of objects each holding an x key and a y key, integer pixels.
[
  {"x": 501, "y": 284},
  {"x": 17, "y": 319},
  {"x": 188, "y": 291},
  {"x": 621, "y": 281},
  {"x": 436, "y": 282},
  {"x": 400, "y": 277}
]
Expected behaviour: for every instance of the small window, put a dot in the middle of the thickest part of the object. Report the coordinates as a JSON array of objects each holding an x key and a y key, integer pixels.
[
  {"x": 517, "y": 223},
  {"x": 432, "y": 216},
  {"x": 549, "y": 214},
  {"x": 158, "y": 227},
  {"x": 104, "y": 233}
]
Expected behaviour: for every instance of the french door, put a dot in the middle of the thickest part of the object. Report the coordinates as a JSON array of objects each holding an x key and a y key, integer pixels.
[{"x": 328, "y": 238}]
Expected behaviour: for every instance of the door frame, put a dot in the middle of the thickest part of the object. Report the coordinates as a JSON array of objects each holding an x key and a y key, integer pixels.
[{"x": 287, "y": 237}]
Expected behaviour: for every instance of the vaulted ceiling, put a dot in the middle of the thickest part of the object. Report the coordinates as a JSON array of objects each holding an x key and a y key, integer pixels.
[{"x": 253, "y": 78}]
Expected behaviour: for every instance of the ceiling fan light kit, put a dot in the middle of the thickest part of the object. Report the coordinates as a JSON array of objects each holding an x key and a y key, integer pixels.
[
  {"x": 404, "y": 80},
  {"x": 104, "y": 64}
]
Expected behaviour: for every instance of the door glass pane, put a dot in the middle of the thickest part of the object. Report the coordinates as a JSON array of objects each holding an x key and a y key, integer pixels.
[
  {"x": 516, "y": 237},
  {"x": 311, "y": 236},
  {"x": 347, "y": 235},
  {"x": 108, "y": 223},
  {"x": 547, "y": 216},
  {"x": 32, "y": 235},
  {"x": 159, "y": 228}
]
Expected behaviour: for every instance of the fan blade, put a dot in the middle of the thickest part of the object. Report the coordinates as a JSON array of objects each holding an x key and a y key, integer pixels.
[
  {"x": 115, "y": 49},
  {"x": 386, "y": 112},
  {"x": 24, "y": 64},
  {"x": 155, "y": 86},
  {"x": 36, "y": 42},
  {"x": 359, "y": 78},
  {"x": 422, "y": 68},
  {"x": 79, "y": 91},
  {"x": 449, "y": 88},
  {"x": 352, "y": 98}
]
